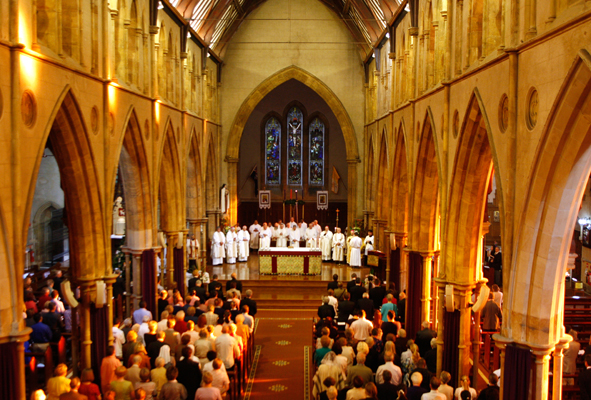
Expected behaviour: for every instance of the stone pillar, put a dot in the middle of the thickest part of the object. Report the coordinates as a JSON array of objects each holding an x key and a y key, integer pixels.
[
  {"x": 203, "y": 240},
  {"x": 109, "y": 281},
  {"x": 352, "y": 190},
  {"x": 476, "y": 341},
  {"x": 127, "y": 283},
  {"x": 562, "y": 345},
  {"x": 501, "y": 342},
  {"x": 367, "y": 218},
  {"x": 171, "y": 238},
  {"x": 539, "y": 384},
  {"x": 137, "y": 272},
  {"x": 464, "y": 295},
  {"x": 426, "y": 290},
  {"x": 86, "y": 289},
  {"x": 388, "y": 251},
  {"x": 401, "y": 239},
  {"x": 434, "y": 288},
  {"x": 233, "y": 188},
  {"x": 440, "y": 294}
]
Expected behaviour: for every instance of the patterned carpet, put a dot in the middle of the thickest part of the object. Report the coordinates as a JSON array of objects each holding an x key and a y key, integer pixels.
[{"x": 283, "y": 341}]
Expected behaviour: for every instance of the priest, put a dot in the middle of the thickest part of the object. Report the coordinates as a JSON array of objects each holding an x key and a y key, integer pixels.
[
  {"x": 254, "y": 230},
  {"x": 311, "y": 236},
  {"x": 294, "y": 237},
  {"x": 217, "y": 247},
  {"x": 368, "y": 244},
  {"x": 243, "y": 244},
  {"x": 355, "y": 249},
  {"x": 265, "y": 234},
  {"x": 192, "y": 252},
  {"x": 231, "y": 246},
  {"x": 282, "y": 236},
  {"x": 338, "y": 246},
  {"x": 326, "y": 244}
]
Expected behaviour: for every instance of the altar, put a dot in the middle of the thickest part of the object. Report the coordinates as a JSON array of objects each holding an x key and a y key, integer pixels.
[{"x": 297, "y": 261}]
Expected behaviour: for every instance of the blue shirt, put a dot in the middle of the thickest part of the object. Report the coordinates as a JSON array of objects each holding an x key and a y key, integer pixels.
[
  {"x": 41, "y": 333},
  {"x": 138, "y": 315}
]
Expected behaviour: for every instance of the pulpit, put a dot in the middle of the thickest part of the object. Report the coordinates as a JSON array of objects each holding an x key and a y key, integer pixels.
[{"x": 376, "y": 260}]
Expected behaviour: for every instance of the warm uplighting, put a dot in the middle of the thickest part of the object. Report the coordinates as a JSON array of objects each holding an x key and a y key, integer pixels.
[
  {"x": 28, "y": 70},
  {"x": 157, "y": 110},
  {"x": 112, "y": 94}
]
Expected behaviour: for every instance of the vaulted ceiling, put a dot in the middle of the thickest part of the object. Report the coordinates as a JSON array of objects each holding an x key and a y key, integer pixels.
[{"x": 215, "y": 21}]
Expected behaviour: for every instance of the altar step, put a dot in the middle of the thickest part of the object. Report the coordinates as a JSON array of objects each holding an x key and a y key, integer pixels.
[{"x": 277, "y": 294}]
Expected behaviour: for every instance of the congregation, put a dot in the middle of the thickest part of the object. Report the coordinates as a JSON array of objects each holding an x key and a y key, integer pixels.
[
  {"x": 363, "y": 352},
  {"x": 190, "y": 352}
]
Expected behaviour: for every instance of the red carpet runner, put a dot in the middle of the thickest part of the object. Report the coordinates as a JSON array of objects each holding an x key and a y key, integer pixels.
[{"x": 279, "y": 370}]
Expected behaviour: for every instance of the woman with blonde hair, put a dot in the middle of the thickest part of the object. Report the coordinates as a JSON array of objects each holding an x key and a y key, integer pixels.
[
  {"x": 59, "y": 384},
  {"x": 460, "y": 392},
  {"x": 123, "y": 389}
]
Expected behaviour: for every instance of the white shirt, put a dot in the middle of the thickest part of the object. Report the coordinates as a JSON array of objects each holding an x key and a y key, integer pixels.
[
  {"x": 118, "y": 341},
  {"x": 434, "y": 395},
  {"x": 394, "y": 369},
  {"x": 227, "y": 348},
  {"x": 461, "y": 389},
  {"x": 361, "y": 328}
]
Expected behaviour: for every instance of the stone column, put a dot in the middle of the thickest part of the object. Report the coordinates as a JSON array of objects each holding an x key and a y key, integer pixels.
[
  {"x": 401, "y": 239},
  {"x": 440, "y": 294},
  {"x": 434, "y": 292},
  {"x": 501, "y": 342},
  {"x": 109, "y": 281},
  {"x": 127, "y": 283},
  {"x": 476, "y": 341},
  {"x": 137, "y": 272},
  {"x": 171, "y": 238},
  {"x": 86, "y": 289},
  {"x": 539, "y": 384},
  {"x": 426, "y": 290},
  {"x": 464, "y": 294},
  {"x": 203, "y": 240},
  {"x": 388, "y": 251},
  {"x": 233, "y": 188},
  {"x": 352, "y": 192},
  {"x": 562, "y": 345}
]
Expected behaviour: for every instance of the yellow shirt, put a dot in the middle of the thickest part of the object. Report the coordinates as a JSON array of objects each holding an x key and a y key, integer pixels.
[
  {"x": 158, "y": 376},
  {"x": 56, "y": 386}
]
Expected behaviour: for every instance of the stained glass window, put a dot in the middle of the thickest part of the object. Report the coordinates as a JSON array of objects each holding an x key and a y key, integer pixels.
[
  {"x": 294, "y": 146},
  {"x": 316, "y": 152},
  {"x": 273, "y": 151}
]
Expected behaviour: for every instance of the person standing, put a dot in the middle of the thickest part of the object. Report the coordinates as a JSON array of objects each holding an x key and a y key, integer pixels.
[
  {"x": 192, "y": 252},
  {"x": 243, "y": 238},
  {"x": 326, "y": 244},
  {"x": 491, "y": 315},
  {"x": 254, "y": 230},
  {"x": 338, "y": 246},
  {"x": 585, "y": 379},
  {"x": 495, "y": 261},
  {"x": 311, "y": 238},
  {"x": 348, "y": 241},
  {"x": 282, "y": 236},
  {"x": 355, "y": 245},
  {"x": 231, "y": 246},
  {"x": 294, "y": 237},
  {"x": 217, "y": 247},
  {"x": 265, "y": 235},
  {"x": 368, "y": 244}
]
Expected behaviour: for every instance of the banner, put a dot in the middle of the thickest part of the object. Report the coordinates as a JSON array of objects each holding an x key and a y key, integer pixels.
[
  {"x": 322, "y": 200},
  {"x": 335, "y": 180},
  {"x": 264, "y": 199}
]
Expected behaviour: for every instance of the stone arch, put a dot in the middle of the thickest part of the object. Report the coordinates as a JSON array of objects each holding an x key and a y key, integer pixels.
[
  {"x": 471, "y": 176},
  {"x": 425, "y": 199},
  {"x": 42, "y": 216},
  {"x": 135, "y": 174},
  {"x": 195, "y": 195},
  {"x": 561, "y": 168},
  {"x": 400, "y": 185},
  {"x": 336, "y": 106},
  {"x": 382, "y": 173},
  {"x": 170, "y": 188},
  {"x": 212, "y": 178},
  {"x": 67, "y": 137}
]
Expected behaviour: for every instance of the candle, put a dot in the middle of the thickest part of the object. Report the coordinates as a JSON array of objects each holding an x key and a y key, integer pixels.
[{"x": 291, "y": 193}]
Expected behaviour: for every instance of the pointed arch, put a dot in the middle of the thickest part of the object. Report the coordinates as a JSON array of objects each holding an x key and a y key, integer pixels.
[
  {"x": 135, "y": 175},
  {"x": 170, "y": 188},
  {"x": 425, "y": 199},
  {"x": 400, "y": 185},
  {"x": 383, "y": 173},
  {"x": 557, "y": 183},
  {"x": 68, "y": 140},
  {"x": 195, "y": 195},
  {"x": 471, "y": 176}
]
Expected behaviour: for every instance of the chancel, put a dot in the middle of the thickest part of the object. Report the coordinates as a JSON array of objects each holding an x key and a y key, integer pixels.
[{"x": 281, "y": 198}]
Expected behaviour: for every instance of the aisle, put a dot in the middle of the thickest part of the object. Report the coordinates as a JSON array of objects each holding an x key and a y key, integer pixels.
[{"x": 283, "y": 338}]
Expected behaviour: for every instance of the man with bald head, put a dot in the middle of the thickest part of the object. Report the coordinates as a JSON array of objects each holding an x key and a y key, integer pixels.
[{"x": 243, "y": 244}]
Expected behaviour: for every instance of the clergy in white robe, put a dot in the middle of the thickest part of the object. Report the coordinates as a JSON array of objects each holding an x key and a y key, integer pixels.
[
  {"x": 294, "y": 237},
  {"x": 291, "y": 223},
  {"x": 338, "y": 246},
  {"x": 355, "y": 245},
  {"x": 326, "y": 244},
  {"x": 192, "y": 252},
  {"x": 254, "y": 230},
  {"x": 311, "y": 238},
  {"x": 265, "y": 236},
  {"x": 231, "y": 246},
  {"x": 275, "y": 234},
  {"x": 282, "y": 236},
  {"x": 243, "y": 244},
  {"x": 348, "y": 246},
  {"x": 303, "y": 228},
  {"x": 217, "y": 247},
  {"x": 368, "y": 242},
  {"x": 318, "y": 228}
]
